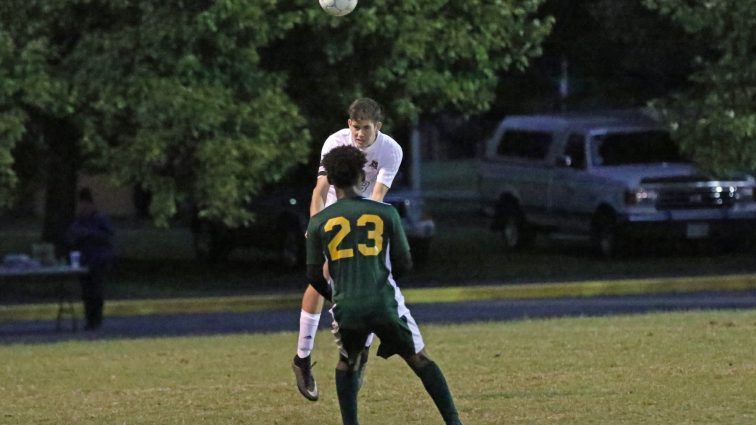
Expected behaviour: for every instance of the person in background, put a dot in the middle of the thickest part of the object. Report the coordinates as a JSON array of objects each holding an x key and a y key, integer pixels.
[{"x": 91, "y": 234}]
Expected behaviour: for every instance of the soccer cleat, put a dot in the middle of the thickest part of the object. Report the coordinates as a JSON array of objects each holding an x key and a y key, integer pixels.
[
  {"x": 305, "y": 381},
  {"x": 361, "y": 369}
]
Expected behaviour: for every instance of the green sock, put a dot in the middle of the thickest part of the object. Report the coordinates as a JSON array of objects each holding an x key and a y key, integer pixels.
[
  {"x": 435, "y": 383},
  {"x": 346, "y": 388}
]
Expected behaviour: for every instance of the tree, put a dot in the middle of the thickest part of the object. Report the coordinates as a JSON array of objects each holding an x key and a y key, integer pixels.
[
  {"x": 166, "y": 95},
  {"x": 611, "y": 54},
  {"x": 414, "y": 57},
  {"x": 22, "y": 82},
  {"x": 715, "y": 120},
  {"x": 210, "y": 101}
]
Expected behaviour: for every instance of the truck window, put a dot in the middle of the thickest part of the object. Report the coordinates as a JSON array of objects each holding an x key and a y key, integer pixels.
[
  {"x": 575, "y": 149},
  {"x": 524, "y": 144},
  {"x": 637, "y": 147}
]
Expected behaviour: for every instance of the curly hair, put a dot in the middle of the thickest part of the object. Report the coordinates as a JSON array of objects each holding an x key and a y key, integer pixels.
[
  {"x": 366, "y": 108},
  {"x": 343, "y": 165}
]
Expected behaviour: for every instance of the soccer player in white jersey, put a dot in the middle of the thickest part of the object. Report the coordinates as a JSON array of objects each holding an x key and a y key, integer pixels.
[
  {"x": 365, "y": 247},
  {"x": 384, "y": 155}
]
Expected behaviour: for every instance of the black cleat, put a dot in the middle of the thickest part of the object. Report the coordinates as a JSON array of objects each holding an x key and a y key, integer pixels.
[{"x": 305, "y": 381}]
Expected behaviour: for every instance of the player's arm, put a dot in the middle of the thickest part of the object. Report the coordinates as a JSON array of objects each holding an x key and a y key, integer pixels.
[
  {"x": 386, "y": 174},
  {"x": 319, "y": 194},
  {"x": 314, "y": 272},
  {"x": 379, "y": 192}
]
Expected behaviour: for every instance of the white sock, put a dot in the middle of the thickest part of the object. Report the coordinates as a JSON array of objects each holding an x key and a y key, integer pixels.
[
  {"x": 308, "y": 327},
  {"x": 369, "y": 340}
]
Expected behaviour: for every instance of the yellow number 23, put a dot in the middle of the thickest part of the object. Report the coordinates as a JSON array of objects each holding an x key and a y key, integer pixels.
[{"x": 374, "y": 226}]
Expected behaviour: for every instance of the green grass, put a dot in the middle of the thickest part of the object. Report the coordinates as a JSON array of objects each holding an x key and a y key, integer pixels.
[
  {"x": 673, "y": 368},
  {"x": 133, "y": 240},
  {"x": 456, "y": 175}
]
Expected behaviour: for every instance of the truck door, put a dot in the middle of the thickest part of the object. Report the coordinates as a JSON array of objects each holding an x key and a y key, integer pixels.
[
  {"x": 517, "y": 165},
  {"x": 529, "y": 170},
  {"x": 570, "y": 204}
]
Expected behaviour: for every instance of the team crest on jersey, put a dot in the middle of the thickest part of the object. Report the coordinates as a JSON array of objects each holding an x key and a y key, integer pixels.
[{"x": 373, "y": 164}]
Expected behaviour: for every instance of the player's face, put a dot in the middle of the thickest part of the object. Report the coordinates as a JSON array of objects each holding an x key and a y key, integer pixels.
[{"x": 364, "y": 132}]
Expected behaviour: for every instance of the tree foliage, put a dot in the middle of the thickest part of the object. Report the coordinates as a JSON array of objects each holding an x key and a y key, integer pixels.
[
  {"x": 210, "y": 101},
  {"x": 715, "y": 121},
  {"x": 23, "y": 84},
  {"x": 170, "y": 95},
  {"x": 414, "y": 57},
  {"x": 641, "y": 37}
]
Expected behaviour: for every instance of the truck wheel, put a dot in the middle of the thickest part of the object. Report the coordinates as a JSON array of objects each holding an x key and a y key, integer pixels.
[
  {"x": 606, "y": 240},
  {"x": 515, "y": 232}
]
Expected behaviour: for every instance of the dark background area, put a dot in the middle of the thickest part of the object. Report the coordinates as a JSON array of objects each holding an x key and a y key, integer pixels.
[
  {"x": 159, "y": 263},
  {"x": 608, "y": 54}
]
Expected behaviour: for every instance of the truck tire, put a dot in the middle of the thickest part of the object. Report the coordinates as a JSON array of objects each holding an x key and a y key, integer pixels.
[
  {"x": 607, "y": 242},
  {"x": 515, "y": 231}
]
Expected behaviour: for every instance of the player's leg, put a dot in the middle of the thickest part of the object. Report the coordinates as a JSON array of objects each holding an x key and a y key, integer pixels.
[
  {"x": 347, "y": 388},
  {"x": 309, "y": 318},
  {"x": 351, "y": 344},
  {"x": 435, "y": 384},
  {"x": 401, "y": 335}
]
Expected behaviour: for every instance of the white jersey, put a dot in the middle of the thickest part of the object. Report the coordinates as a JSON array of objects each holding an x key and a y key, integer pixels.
[{"x": 383, "y": 159}]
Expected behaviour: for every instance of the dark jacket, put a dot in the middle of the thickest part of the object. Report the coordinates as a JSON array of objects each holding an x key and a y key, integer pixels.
[{"x": 91, "y": 234}]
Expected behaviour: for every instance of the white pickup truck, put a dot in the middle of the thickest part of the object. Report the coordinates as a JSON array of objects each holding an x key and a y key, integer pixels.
[{"x": 612, "y": 176}]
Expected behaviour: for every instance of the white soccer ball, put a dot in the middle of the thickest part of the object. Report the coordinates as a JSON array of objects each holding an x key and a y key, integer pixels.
[{"x": 338, "y": 7}]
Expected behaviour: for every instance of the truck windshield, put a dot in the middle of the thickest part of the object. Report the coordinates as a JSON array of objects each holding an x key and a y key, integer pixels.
[{"x": 634, "y": 147}]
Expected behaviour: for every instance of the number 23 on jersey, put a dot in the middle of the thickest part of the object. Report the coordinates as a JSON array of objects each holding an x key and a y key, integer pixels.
[{"x": 371, "y": 222}]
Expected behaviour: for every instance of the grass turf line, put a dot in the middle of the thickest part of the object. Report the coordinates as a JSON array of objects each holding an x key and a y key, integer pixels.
[{"x": 240, "y": 304}]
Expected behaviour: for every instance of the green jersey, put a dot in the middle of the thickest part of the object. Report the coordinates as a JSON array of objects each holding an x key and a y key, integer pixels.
[{"x": 358, "y": 237}]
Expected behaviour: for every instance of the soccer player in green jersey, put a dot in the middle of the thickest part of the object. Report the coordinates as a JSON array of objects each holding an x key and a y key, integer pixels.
[
  {"x": 384, "y": 156},
  {"x": 365, "y": 246}
]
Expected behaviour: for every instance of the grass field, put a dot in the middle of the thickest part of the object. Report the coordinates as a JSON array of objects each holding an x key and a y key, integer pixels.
[
  {"x": 673, "y": 368},
  {"x": 449, "y": 175}
]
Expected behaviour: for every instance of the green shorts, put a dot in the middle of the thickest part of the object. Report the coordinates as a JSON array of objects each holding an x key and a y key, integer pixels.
[{"x": 398, "y": 334}]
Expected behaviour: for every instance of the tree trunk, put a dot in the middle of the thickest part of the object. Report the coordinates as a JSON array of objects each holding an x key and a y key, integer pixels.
[{"x": 62, "y": 178}]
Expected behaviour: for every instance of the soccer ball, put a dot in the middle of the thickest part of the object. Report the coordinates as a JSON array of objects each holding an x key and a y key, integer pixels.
[{"x": 338, "y": 7}]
